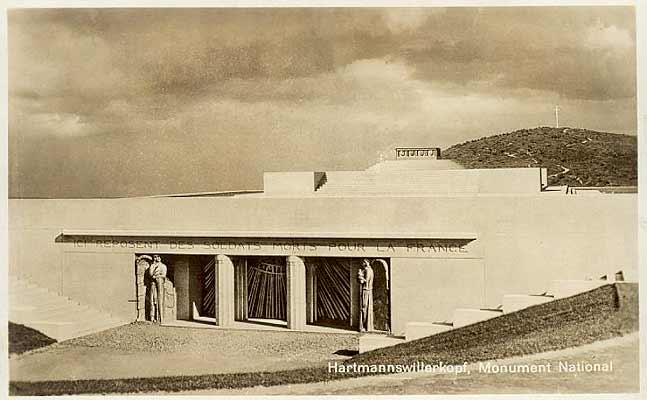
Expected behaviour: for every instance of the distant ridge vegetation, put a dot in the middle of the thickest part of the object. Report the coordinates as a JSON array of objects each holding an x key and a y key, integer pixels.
[{"x": 574, "y": 157}]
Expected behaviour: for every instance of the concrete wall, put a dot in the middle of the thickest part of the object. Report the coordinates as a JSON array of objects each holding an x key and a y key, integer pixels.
[
  {"x": 532, "y": 242},
  {"x": 454, "y": 181},
  {"x": 289, "y": 182},
  {"x": 526, "y": 241},
  {"x": 105, "y": 281},
  {"x": 182, "y": 288},
  {"x": 429, "y": 290},
  {"x": 508, "y": 180},
  {"x": 33, "y": 254}
]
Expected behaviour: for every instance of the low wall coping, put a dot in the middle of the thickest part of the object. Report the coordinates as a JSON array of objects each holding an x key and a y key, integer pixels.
[{"x": 273, "y": 234}]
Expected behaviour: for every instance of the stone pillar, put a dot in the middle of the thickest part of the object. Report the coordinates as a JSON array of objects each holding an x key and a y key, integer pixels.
[
  {"x": 181, "y": 280},
  {"x": 141, "y": 265},
  {"x": 296, "y": 292},
  {"x": 311, "y": 292},
  {"x": 224, "y": 274},
  {"x": 354, "y": 295},
  {"x": 240, "y": 290},
  {"x": 170, "y": 302}
]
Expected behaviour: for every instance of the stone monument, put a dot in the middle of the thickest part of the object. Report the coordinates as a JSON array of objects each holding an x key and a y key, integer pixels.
[
  {"x": 142, "y": 263},
  {"x": 157, "y": 273},
  {"x": 169, "y": 311},
  {"x": 153, "y": 285}
]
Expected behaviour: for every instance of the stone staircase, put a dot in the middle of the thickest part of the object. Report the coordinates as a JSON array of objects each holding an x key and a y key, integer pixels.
[
  {"x": 410, "y": 165},
  {"x": 558, "y": 289},
  {"x": 53, "y": 315}
]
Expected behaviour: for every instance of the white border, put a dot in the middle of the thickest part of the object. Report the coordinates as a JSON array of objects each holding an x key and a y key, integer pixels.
[{"x": 641, "y": 48}]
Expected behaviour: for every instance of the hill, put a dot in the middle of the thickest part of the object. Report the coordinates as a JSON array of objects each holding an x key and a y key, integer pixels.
[{"x": 574, "y": 157}]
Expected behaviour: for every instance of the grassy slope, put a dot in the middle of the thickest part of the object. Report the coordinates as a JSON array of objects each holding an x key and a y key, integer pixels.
[
  {"x": 593, "y": 158},
  {"x": 609, "y": 311},
  {"x": 578, "y": 320}
]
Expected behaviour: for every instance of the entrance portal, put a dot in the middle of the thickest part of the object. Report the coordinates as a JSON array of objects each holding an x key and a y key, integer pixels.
[
  {"x": 381, "y": 304},
  {"x": 328, "y": 287},
  {"x": 333, "y": 292},
  {"x": 208, "y": 280},
  {"x": 260, "y": 288}
]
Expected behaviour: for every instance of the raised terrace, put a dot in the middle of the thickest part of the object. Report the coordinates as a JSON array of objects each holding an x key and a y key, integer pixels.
[
  {"x": 414, "y": 172},
  {"x": 446, "y": 245}
]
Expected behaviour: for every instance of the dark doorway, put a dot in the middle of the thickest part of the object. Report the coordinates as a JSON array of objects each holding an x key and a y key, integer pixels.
[
  {"x": 329, "y": 285},
  {"x": 208, "y": 278},
  {"x": 193, "y": 279},
  {"x": 381, "y": 286},
  {"x": 332, "y": 291}
]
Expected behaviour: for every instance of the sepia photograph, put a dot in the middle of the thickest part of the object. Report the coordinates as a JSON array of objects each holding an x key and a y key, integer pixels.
[{"x": 298, "y": 200}]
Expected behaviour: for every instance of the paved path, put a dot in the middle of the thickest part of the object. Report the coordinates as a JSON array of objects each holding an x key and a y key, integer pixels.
[
  {"x": 133, "y": 351},
  {"x": 624, "y": 378}
]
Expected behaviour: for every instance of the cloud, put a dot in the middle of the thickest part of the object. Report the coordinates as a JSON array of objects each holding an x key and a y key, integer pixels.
[
  {"x": 537, "y": 48},
  {"x": 214, "y": 97},
  {"x": 408, "y": 19},
  {"x": 86, "y": 58},
  {"x": 608, "y": 37}
]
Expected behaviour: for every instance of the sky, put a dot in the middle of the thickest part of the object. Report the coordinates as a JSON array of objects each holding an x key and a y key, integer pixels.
[{"x": 133, "y": 102}]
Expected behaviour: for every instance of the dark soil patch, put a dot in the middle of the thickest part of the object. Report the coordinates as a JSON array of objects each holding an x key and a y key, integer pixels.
[{"x": 23, "y": 339}]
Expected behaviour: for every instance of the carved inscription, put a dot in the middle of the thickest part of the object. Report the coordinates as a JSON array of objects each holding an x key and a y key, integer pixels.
[{"x": 313, "y": 247}]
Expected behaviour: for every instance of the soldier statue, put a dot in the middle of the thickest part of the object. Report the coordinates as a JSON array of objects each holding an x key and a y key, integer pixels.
[
  {"x": 157, "y": 273},
  {"x": 365, "y": 278}
]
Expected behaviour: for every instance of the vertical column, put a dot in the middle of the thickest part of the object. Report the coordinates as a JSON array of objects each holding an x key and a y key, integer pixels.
[
  {"x": 354, "y": 295},
  {"x": 224, "y": 273},
  {"x": 296, "y": 292},
  {"x": 311, "y": 294},
  {"x": 140, "y": 269},
  {"x": 240, "y": 290}
]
